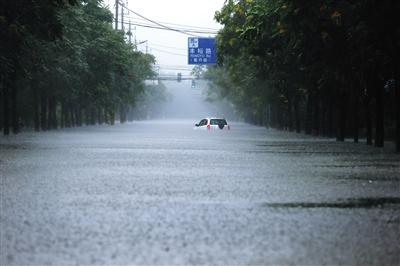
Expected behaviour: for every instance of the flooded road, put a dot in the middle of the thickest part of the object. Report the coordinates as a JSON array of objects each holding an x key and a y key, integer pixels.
[{"x": 159, "y": 192}]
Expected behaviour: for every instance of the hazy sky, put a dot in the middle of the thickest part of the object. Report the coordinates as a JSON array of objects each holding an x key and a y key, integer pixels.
[{"x": 169, "y": 48}]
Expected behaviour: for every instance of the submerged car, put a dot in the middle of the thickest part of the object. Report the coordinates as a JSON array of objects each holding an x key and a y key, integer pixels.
[{"x": 212, "y": 124}]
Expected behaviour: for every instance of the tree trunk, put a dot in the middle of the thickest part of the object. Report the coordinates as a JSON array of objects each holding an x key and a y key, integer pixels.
[
  {"x": 62, "y": 122},
  {"x": 323, "y": 120},
  {"x": 87, "y": 117},
  {"x": 341, "y": 132},
  {"x": 121, "y": 114},
  {"x": 397, "y": 108},
  {"x": 112, "y": 118},
  {"x": 272, "y": 115},
  {"x": 14, "y": 104},
  {"x": 52, "y": 113},
  {"x": 36, "y": 106},
  {"x": 368, "y": 121},
  {"x": 331, "y": 124},
  {"x": 43, "y": 111},
  {"x": 100, "y": 116},
  {"x": 290, "y": 114},
  {"x": 1, "y": 105},
  {"x": 105, "y": 116},
  {"x": 130, "y": 114},
  {"x": 356, "y": 118},
  {"x": 6, "y": 111},
  {"x": 71, "y": 115},
  {"x": 297, "y": 115},
  {"x": 74, "y": 112},
  {"x": 92, "y": 116},
  {"x": 315, "y": 116},
  {"x": 379, "y": 118},
  {"x": 308, "y": 123},
  {"x": 281, "y": 117},
  {"x": 55, "y": 120},
  {"x": 79, "y": 116},
  {"x": 68, "y": 122}
]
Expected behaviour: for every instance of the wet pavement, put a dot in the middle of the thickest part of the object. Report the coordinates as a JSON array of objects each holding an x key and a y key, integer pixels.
[{"x": 159, "y": 192}]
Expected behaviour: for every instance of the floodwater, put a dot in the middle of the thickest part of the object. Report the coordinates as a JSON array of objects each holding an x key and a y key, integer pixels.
[{"x": 159, "y": 192}]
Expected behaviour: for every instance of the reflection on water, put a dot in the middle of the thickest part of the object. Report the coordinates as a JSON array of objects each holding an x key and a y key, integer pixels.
[{"x": 346, "y": 203}]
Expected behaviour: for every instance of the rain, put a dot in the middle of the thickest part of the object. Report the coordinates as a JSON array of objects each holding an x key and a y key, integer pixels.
[
  {"x": 158, "y": 192},
  {"x": 199, "y": 133}
]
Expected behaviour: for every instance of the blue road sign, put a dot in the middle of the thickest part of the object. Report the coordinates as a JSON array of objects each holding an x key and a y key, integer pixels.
[{"x": 201, "y": 51}]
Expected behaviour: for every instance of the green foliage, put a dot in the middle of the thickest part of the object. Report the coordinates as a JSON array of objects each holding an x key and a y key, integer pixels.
[
  {"x": 69, "y": 60},
  {"x": 198, "y": 71},
  {"x": 283, "y": 55}
]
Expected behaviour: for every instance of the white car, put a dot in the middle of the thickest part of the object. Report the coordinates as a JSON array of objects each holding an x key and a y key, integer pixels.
[{"x": 213, "y": 124}]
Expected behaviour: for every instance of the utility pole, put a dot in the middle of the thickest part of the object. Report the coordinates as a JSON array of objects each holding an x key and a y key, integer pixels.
[
  {"x": 122, "y": 18},
  {"x": 135, "y": 38},
  {"x": 130, "y": 33},
  {"x": 116, "y": 14}
]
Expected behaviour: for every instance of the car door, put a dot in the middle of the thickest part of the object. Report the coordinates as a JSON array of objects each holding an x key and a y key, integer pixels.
[{"x": 203, "y": 124}]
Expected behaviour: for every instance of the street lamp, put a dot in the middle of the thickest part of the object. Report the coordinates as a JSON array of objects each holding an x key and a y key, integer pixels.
[{"x": 146, "y": 41}]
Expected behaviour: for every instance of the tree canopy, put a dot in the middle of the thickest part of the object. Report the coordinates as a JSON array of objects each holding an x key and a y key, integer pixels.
[
  {"x": 64, "y": 65},
  {"x": 323, "y": 67}
]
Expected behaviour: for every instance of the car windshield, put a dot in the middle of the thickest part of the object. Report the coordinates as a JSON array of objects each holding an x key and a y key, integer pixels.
[{"x": 218, "y": 122}]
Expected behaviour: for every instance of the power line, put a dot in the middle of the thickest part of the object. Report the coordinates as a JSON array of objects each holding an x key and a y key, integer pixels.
[
  {"x": 186, "y": 31},
  {"x": 167, "y": 52},
  {"x": 164, "y": 51},
  {"x": 159, "y": 24},
  {"x": 174, "y": 29},
  {"x": 174, "y": 76},
  {"x": 179, "y": 25},
  {"x": 175, "y": 66},
  {"x": 169, "y": 47}
]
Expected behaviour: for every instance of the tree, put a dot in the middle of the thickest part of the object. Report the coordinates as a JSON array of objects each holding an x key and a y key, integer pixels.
[
  {"x": 19, "y": 20},
  {"x": 311, "y": 64},
  {"x": 73, "y": 67}
]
